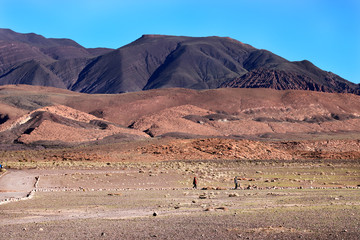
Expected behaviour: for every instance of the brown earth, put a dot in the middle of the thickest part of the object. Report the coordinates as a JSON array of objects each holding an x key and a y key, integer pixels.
[
  {"x": 286, "y": 200},
  {"x": 230, "y": 113},
  {"x": 296, "y": 154}
]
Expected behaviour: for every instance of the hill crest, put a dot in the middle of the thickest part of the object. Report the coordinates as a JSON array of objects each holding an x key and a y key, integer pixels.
[{"x": 156, "y": 61}]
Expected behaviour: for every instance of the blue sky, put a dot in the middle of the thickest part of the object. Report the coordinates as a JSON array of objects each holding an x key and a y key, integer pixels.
[{"x": 326, "y": 32}]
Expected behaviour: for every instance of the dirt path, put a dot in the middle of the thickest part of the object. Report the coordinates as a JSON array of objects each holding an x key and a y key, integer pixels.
[{"x": 16, "y": 184}]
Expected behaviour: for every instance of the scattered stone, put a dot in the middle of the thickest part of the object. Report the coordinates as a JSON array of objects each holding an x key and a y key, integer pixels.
[
  {"x": 114, "y": 194},
  {"x": 103, "y": 234},
  {"x": 222, "y": 208},
  {"x": 155, "y": 214},
  {"x": 203, "y": 196},
  {"x": 233, "y": 195},
  {"x": 41, "y": 229}
]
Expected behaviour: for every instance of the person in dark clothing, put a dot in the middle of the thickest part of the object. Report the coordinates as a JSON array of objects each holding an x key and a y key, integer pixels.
[
  {"x": 236, "y": 182},
  {"x": 195, "y": 183}
]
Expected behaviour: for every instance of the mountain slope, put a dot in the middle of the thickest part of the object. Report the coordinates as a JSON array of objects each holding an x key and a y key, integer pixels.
[
  {"x": 156, "y": 61},
  {"x": 29, "y": 114},
  {"x": 35, "y": 60}
]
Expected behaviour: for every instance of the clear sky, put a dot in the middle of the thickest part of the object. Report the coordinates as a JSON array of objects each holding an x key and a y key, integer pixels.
[{"x": 325, "y": 32}]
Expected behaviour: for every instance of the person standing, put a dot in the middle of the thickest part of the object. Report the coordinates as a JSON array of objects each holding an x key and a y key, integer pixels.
[
  {"x": 195, "y": 183},
  {"x": 236, "y": 182}
]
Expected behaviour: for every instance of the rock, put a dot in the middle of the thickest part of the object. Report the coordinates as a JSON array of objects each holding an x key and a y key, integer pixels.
[
  {"x": 114, "y": 194},
  {"x": 41, "y": 229},
  {"x": 203, "y": 196},
  {"x": 222, "y": 208},
  {"x": 103, "y": 234},
  {"x": 233, "y": 195},
  {"x": 155, "y": 214}
]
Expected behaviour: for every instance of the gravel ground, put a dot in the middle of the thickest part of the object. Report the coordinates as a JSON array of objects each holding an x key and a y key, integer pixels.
[{"x": 119, "y": 203}]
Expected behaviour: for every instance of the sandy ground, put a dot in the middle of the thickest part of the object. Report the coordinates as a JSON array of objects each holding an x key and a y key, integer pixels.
[
  {"x": 118, "y": 201},
  {"x": 16, "y": 184}
]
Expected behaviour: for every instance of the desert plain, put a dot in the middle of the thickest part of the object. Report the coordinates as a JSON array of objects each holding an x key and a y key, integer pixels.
[{"x": 95, "y": 167}]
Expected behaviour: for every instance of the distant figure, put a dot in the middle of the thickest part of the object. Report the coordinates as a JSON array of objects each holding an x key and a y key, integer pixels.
[
  {"x": 195, "y": 183},
  {"x": 236, "y": 182}
]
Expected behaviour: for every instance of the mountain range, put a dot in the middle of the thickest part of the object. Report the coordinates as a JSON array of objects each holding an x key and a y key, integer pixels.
[{"x": 156, "y": 61}]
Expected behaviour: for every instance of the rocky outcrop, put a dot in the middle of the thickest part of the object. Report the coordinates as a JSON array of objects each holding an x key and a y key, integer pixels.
[{"x": 283, "y": 80}]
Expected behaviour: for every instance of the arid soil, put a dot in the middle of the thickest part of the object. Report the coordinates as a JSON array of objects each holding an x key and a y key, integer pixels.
[
  {"x": 284, "y": 200},
  {"x": 165, "y": 149},
  {"x": 101, "y": 166},
  {"x": 39, "y": 116}
]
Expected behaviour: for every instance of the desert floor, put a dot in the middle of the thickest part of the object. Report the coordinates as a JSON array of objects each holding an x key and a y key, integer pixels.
[{"x": 117, "y": 200}]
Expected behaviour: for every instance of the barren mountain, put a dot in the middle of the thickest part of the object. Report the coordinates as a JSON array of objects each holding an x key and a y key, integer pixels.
[
  {"x": 31, "y": 114},
  {"x": 153, "y": 62},
  {"x": 35, "y": 60}
]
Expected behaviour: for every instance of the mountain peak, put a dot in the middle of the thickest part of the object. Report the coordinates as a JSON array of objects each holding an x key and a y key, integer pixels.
[{"x": 156, "y": 61}]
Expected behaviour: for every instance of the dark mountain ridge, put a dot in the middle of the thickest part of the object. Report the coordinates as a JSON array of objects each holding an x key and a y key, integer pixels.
[{"x": 156, "y": 61}]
